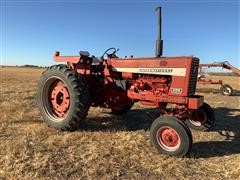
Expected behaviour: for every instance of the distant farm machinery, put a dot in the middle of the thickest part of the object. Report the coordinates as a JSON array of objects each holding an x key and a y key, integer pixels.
[{"x": 225, "y": 89}]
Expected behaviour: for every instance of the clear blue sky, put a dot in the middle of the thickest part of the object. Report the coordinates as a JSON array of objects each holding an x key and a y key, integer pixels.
[{"x": 32, "y": 30}]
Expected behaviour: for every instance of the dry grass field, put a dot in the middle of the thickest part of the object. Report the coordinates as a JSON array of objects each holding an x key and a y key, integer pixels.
[{"x": 109, "y": 147}]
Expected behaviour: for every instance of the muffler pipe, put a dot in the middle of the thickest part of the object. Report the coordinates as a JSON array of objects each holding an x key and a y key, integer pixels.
[{"x": 159, "y": 41}]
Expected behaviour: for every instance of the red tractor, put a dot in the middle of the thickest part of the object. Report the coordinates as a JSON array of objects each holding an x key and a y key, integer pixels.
[{"x": 65, "y": 93}]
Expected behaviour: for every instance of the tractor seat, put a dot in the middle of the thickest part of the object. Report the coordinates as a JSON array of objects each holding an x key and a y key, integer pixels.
[{"x": 84, "y": 53}]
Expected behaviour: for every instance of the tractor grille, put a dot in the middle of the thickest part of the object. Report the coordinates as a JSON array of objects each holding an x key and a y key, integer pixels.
[{"x": 193, "y": 77}]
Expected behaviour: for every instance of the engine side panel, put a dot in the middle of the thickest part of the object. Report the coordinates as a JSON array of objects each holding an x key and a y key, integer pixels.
[{"x": 180, "y": 69}]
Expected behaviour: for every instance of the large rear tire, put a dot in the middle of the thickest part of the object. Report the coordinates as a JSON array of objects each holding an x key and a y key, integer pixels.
[
  {"x": 170, "y": 136},
  {"x": 202, "y": 119},
  {"x": 63, "y": 98}
]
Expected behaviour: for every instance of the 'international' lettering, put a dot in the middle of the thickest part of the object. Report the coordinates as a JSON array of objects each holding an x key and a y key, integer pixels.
[{"x": 156, "y": 70}]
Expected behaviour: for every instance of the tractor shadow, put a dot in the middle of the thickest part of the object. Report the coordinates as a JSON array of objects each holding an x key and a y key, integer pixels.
[
  {"x": 227, "y": 125},
  {"x": 135, "y": 119}
]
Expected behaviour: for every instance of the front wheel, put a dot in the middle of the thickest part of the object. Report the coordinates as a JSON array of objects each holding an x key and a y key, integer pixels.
[
  {"x": 201, "y": 119},
  {"x": 170, "y": 136}
]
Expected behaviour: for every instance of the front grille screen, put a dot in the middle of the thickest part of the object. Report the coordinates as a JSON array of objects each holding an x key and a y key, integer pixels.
[{"x": 193, "y": 77}]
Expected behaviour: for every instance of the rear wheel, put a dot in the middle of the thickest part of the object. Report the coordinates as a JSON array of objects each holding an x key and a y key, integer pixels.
[
  {"x": 202, "y": 119},
  {"x": 170, "y": 136},
  {"x": 62, "y": 98},
  {"x": 226, "y": 90}
]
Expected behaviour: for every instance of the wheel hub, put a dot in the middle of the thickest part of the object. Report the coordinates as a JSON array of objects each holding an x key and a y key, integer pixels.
[
  {"x": 60, "y": 99},
  {"x": 226, "y": 90},
  {"x": 168, "y": 138}
]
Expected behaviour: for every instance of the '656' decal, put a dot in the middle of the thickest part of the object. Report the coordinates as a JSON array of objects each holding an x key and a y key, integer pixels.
[{"x": 176, "y": 90}]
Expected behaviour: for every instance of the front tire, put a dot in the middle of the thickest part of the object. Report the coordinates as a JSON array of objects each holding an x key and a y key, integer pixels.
[
  {"x": 202, "y": 119},
  {"x": 63, "y": 98},
  {"x": 170, "y": 136}
]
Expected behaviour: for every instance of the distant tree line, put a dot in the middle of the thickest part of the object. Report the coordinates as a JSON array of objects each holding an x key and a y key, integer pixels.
[
  {"x": 32, "y": 66},
  {"x": 24, "y": 66}
]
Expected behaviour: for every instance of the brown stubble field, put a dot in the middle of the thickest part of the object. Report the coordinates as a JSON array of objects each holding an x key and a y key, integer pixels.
[{"x": 109, "y": 147}]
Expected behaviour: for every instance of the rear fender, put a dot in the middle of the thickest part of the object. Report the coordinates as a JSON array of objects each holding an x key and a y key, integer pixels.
[{"x": 71, "y": 59}]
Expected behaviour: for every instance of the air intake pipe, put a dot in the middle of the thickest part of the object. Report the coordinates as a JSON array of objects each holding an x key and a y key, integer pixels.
[{"x": 159, "y": 41}]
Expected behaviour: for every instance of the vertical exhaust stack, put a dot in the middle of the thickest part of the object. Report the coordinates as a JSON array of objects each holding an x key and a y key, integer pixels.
[{"x": 159, "y": 41}]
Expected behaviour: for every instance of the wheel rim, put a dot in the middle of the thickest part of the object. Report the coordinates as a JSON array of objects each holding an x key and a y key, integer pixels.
[
  {"x": 226, "y": 90},
  {"x": 198, "y": 117},
  {"x": 168, "y": 138},
  {"x": 56, "y": 98}
]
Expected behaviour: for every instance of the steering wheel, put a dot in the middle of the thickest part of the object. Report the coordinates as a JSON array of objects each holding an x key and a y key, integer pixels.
[{"x": 112, "y": 54}]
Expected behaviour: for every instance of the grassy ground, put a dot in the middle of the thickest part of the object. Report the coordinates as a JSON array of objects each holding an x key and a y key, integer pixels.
[{"x": 110, "y": 147}]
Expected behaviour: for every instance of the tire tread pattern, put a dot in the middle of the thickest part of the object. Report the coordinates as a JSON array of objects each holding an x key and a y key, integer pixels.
[{"x": 81, "y": 100}]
